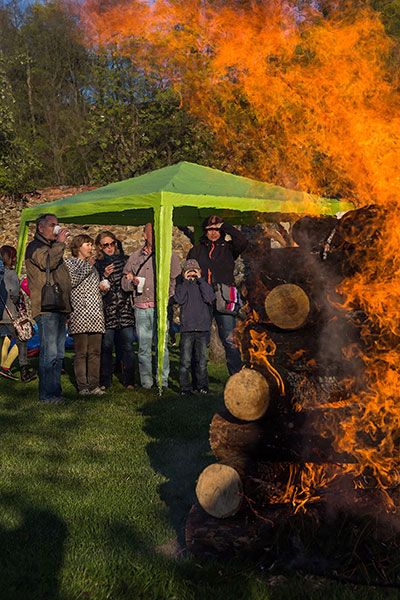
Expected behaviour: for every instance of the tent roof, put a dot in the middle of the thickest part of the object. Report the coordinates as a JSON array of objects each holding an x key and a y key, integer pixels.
[
  {"x": 183, "y": 194},
  {"x": 193, "y": 191}
]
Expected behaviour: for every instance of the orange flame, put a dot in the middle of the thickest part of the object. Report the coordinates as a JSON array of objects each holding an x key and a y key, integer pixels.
[{"x": 306, "y": 102}]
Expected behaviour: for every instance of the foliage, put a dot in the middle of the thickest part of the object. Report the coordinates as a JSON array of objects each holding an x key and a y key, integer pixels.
[
  {"x": 87, "y": 115},
  {"x": 133, "y": 126},
  {"x": 16, "y": 162}
]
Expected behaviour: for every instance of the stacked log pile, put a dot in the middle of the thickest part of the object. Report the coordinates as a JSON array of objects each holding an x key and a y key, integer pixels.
[{"x": 274, "y": 454}]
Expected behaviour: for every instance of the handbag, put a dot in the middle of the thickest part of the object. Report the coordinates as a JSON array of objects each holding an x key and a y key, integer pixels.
[
  {"x": 22, "y": 324},
  {"x": 52, "y": 296},
  {"x": 228, "y": 301}
]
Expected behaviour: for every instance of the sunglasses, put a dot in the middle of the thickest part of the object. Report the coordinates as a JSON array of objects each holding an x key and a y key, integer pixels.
[{"x": 108, "y": 244}]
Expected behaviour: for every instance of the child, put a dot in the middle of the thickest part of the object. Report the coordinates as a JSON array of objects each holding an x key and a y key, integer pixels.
[{"x": 195, "y": 297}]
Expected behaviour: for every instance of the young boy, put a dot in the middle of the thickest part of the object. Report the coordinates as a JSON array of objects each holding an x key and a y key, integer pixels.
[{"x": 195, "y": 297}]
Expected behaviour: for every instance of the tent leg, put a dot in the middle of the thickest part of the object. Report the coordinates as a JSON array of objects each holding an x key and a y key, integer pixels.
[
  {"x": 163, "y": 251},
  {"x": 22, "y": 237}
]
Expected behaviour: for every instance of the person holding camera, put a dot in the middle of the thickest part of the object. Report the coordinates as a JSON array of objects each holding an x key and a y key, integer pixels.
[{"x": 195, "y": 297}]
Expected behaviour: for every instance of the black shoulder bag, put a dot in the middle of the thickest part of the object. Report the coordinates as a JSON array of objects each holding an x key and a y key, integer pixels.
[{"x": 52, "y": 297}]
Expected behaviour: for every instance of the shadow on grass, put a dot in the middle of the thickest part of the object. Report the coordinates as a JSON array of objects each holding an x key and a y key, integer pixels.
[
  {"x": 31, "y": 553},
  {"x": 179, "y": 426}
]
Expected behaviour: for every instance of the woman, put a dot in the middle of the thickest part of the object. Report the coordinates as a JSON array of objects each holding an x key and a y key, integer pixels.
[
  {"x": 216, "y": 256},
  {"x": 13, "y": 289},
  {"x": 118, "y": 311},
  {"x": 86, "y": 323}
]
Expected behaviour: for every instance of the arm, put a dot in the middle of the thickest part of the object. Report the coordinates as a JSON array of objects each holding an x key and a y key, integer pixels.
[
  {"x": 129, "y": 281},
  {"x": 206, "y": 290},
  {"x": 12, "y": 285},
  {"x": 78, "y": 271},
  {"x": 56, "y": 253},
  {"x": 181, "y": 292},
  {"x": 239, "y": 242},
  {"x": 1, "y": 270}
]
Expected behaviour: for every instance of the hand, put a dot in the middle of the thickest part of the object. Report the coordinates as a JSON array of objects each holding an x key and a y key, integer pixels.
[
  {"x": 92, "y": 259},
  {"x": 214, "y": 225},
  {"x": 103, "y": 287},
  {"x": 63, "y": 235},
  {"x": 194, "y": 274},
  {"x": 109, "y": 269}
]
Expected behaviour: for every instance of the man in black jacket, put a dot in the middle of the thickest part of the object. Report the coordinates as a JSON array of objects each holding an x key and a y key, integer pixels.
[{"x": 216, "y": 257}]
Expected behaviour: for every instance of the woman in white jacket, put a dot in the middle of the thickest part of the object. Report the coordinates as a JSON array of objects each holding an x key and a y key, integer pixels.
[{"x": 86, "y": 323}]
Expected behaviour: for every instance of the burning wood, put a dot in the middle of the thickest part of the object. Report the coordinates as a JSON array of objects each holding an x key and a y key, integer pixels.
[{"x": 287, "y": 306}]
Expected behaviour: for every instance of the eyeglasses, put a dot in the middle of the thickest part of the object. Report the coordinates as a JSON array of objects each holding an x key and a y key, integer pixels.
[{"x": 108, "y": 244}]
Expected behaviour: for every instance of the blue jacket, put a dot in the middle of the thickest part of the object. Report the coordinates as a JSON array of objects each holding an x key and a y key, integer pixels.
[{"x": 196, "y": 298}]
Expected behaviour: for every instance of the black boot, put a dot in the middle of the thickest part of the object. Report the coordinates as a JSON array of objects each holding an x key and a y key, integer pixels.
[{"x": 27, "y": 374}]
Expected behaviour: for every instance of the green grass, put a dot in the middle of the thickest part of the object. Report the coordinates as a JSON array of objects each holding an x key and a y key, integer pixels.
[{"x": 94, "y": 493}]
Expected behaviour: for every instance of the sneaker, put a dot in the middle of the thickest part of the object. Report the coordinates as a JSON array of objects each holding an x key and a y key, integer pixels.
[
  {"x": 129, "y": 387},
  {"x": 27, "y": 374},
  {"x": 8, "y": 374},
  {"x": 84, "y": 393},
  {"x": 186, "y": 393},
  {"x": 96, "y": 392},
  {"x": 203, "y": 390}
]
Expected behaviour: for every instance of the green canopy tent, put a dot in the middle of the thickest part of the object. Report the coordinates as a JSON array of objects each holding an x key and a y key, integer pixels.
[{"x": 182, "y": 194}]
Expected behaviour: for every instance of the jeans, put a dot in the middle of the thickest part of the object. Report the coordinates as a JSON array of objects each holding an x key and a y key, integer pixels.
[
  {"x": 226, "y": 324},
  {"x": 193, "y": 354},
  {"x": 51, "y": 328},
  {"x": 87, "y": 347},
  {"x": 123, "y": 339},
  {"x": 146, "y": 331}
]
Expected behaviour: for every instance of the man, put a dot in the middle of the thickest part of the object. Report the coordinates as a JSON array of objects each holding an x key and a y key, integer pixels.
[
  {"x": 216, "y": 257},
  {"x": 142, "y": 264},
  {"x": 51, "y": 325}
]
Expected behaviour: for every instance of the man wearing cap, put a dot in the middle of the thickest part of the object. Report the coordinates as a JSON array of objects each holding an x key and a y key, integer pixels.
[
  {"x": 49, "y": 243},
  {"x": 216, "y": 256},
  {"x": 141, "y": 264},
  {"x": 195, "y": 297}
]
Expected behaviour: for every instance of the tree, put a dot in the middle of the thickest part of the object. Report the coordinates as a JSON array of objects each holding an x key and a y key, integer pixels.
[{"x": 17, "y": 165}]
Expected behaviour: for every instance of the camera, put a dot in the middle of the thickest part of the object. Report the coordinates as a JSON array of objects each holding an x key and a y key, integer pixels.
[{"x": 192, "y": 275}]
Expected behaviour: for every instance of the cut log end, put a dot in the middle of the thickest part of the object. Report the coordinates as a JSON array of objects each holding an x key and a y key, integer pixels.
[
  {"x": 287, "y": 306},
  {"x": 247, "y": 395},
  {"x": 219, "y": 491}
]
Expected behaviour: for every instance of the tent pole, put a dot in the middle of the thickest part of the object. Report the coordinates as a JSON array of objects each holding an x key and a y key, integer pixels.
[
  {"x": 22, "y": 237},
  {"x": 163, "y": 251}
]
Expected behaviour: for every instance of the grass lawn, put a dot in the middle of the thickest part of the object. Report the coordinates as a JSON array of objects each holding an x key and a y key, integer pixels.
[{"x": 94, "y": 497}]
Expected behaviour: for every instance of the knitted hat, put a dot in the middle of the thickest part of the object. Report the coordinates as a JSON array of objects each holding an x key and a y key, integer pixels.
[{"x": 190, "y": 265}]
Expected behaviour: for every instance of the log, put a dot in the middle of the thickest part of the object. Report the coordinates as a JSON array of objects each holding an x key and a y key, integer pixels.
[
  {"x": 219, "y": 490},
  {"x": 311, "y": 232},
  {"x": 315, "y": 351},
  {"x": 287, "y": 306},
  {"x": 243, "y": 534},
  {"x": 231, "y": 437},
  {"x": 271, "y": 439},
  {"x": 247, "y": 395}
]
